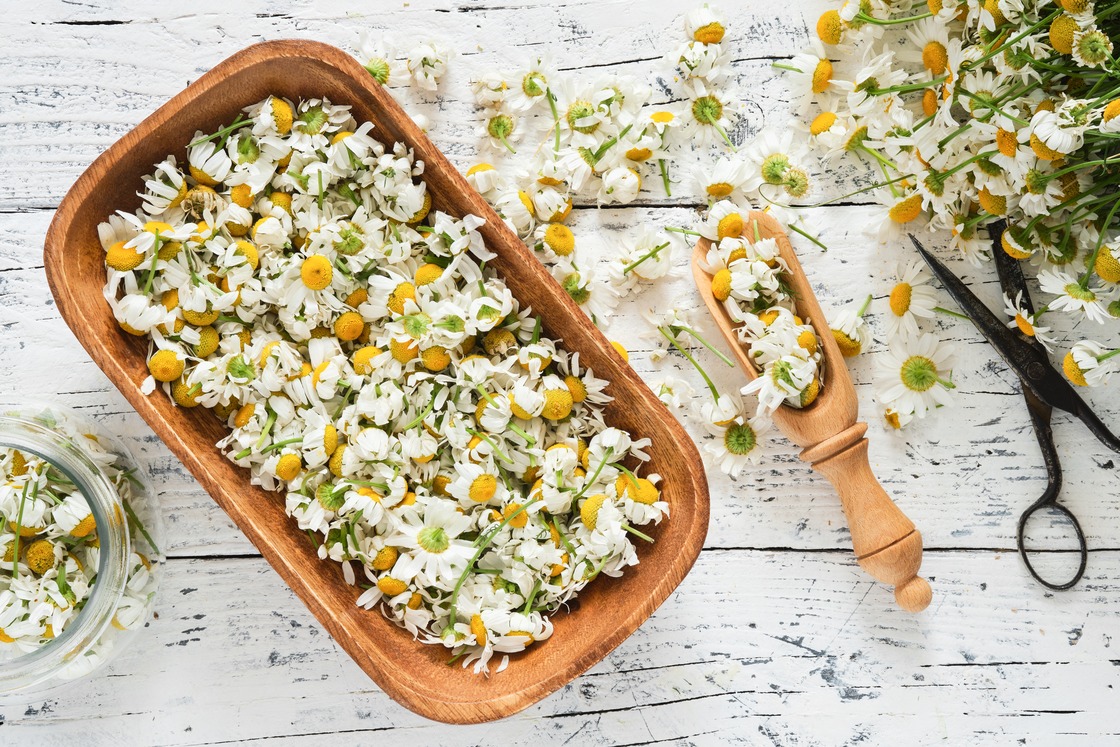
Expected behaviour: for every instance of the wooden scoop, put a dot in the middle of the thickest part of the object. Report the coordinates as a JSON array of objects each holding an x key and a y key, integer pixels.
[{"x": 886, "y": 544}]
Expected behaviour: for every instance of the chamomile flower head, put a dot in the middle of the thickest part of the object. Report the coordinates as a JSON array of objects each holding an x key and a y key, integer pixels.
[
  {"x": 910, "y": 299},
  {"x": 1026, "y": 321},
  {"x": 705, "y": 24},
  {"x": 736, "y": 445},
  {"x": 916, "y": 375},
  {"x": 1071, "y": 295},
  {"x": 427, "y": 63},
  {"x": 1089, "y": 363}
]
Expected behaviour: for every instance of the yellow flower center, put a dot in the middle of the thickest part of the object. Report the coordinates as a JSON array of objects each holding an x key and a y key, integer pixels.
[
  {"x": 560, "y": 239},
  {"x": 288, "y": 467},
  {"x": 822, "y": 76},
  {"x": 935, "y": 57},
  {"x": 349, "y": 326},
  {"x": 391, "y": 587},
  {"x": 422, "y": 213},
  {"x": 123, "y": 258},
  {"x": 1042, "y": 150},
  {"x": 363, "y": 359},
  {"x": 165, "y": 365},
  {"x": 1112, "y": 111},
  {"x": 316, "y": 272},
  {"x": 807, "y": 340},
  {"x": 435, "y": 358},
  {"x": 849, "y": 346},
  {"x": 428, "y": 274},
  {"x": 1107, "y": 265},
  {"x": 900, "y": 298},
  {"x": 478, "y": 168},
  {"x": 721, "y": 284},
  {"x": 1024, "y": 325},
  {"x": 589, "y": 511},
  {"x": 84, "y": 527},
  {"x": 639, "y": 154},
  {"x": 710, "y": 33},
  {"x": 330, "y": 439},
  {"x": 929, "y": 102},
  {"x": 994, "y": 204},
  {"x": 520, "y": 520},
  {"x": 483, "y": 488},
  {"x": 241, "y": 194},
  {"x": 576, "y": 388},
  {"x": 829, "y": 27},
  {"x": 662, "y": 117},
  {"x": 404, "y": 292},
  {"x": 892, "y": 419},
  {"x": 478, "y": 630},
  {"x": 1007, "y": 143},
  {"x": 385, "y": 558},
  {"x": 906, "y": 210},
  {"x": 557, "y": 404},
  {"x": 1073, "y": 371},
  {"x": 729, "y": 226},
  {"x": 618, "y": 348},
  {"x": 1062, "y": 31},
  {"x": 822, "y": 122},
  {"x": 281, "y": 116},
  {"x": 719, "y": 189}
]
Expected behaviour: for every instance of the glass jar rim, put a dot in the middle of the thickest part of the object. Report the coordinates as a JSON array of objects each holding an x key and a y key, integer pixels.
[{"x": 84, "y": 631}]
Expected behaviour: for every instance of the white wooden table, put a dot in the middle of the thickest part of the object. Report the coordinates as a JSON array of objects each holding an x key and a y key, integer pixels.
[{"x": 775, "y": 637}]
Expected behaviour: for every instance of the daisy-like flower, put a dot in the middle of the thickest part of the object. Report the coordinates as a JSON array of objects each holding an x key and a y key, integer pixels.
[
  {"x": 736, "y": 445},
  {"x": 705, "y": 24},
  {"x": 434, "y": 549},
  {"x": 529, "y": 88},
  {"x": 673, "y": 391},
  {"x": 1026, "y": 322},
  {"x": 427, "y": 63},
  {"x": 1089, "y": 363},
  {"x": 910, "y": 299},
  {"x": 916, "y": 375},
  {"x": 849, "y": 330},
  {"x": 377, "y": 57},
  {"x": 1092, "y": 47},
  {"x": 1072, "y": 296},
  {"x": 811, "y": 78},
  {"x": 725, "y": 179},
  {"x": 779, "y": 161},
  {"x": 706, "y": 116}
]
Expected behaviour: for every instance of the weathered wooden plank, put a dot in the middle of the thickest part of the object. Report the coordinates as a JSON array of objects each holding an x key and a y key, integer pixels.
[
  {"x": 807, "y": 653},
  {"x": 79, "y": 77}
]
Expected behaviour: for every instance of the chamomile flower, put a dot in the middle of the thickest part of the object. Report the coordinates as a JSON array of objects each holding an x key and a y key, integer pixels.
[
  {"x": 1026, "y": 322},
  {"x": 1072, "y": 296},
  {"x": 736, "y": 444},
  {"x": 1089, "y": 363},
  {"x": 911, "y": 298},
  {"x": 427, "y": 63},
  {"x": 916, "y": 377},
  {"x": 849, "y": 329}
]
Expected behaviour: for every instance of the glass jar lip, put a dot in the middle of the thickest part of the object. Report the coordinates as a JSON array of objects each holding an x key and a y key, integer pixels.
[{"x": 29, "y": 434}]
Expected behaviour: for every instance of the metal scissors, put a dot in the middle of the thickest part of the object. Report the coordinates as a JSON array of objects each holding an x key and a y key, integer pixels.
[{"x": 1044, "y": 388}]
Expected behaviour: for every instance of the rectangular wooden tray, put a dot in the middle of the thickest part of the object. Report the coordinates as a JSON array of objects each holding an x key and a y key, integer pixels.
[{"x": 414, "y": 674}]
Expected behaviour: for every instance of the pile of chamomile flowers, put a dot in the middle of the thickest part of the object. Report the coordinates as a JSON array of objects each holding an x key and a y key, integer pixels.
[
  {"x": 424, "y": 432},
  {"x": 51, "y": 551}
]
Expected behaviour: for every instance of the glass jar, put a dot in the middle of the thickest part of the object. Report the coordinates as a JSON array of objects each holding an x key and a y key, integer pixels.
[{"x": 124, "y": 542}]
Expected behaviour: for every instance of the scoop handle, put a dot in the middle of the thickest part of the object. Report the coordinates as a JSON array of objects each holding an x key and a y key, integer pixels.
[{"x": 886, "y": 543}]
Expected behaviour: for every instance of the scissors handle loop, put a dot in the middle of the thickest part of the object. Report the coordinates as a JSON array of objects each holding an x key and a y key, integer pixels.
[{"x": 1082, "y": 547}]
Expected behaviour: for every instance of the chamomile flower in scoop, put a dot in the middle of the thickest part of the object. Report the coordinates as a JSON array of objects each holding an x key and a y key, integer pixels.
[
  {"x": 432, "y": 546},
  {"x": 849, "y": 329}
]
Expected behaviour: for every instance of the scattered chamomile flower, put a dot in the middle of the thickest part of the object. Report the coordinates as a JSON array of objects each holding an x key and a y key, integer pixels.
[
  {"x": 1089, "y": 363},
  {"x": 1027, "y": 322},
  {"x": 916, "y": 375},
  {"x": 911, "y": 298},
  {"x": 427, "y": 63}
]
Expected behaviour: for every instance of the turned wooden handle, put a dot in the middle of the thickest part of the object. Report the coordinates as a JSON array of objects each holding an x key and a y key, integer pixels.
[{"x": 886, "y": 544}]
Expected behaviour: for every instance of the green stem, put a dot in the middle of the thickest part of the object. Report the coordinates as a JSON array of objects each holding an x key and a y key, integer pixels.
[
  {"x": 943, "y": 310},
  {"x": 863, "y": 308},
  {"x": 636, "y": 533},
  {"x": 140, "y": 525},
  {"x": 19, "y": 526},
  {"x": 806, "y": 234},
  {"x": 685, "y": 231},
  {"x": 663, "y": 165},
  {"x": 237, "y": 125},
  {"x": 673, "y": 341},
  {"x": 651, "y": 253},
  {"x": 483, "y": 546},
  {"x": 681, "y": 328},
  {"x": 892, "y": 21},
  {"x": 555, "y": 118},
  {"x": 907, "y": 87}
]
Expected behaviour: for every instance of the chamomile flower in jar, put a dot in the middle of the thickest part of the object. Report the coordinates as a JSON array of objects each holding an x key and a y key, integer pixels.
[{"x": 81, "y": 550}]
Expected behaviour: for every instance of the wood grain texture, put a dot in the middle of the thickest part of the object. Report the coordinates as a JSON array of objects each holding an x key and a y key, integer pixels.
[
  {"x": 775, "y": 638},
  {"x": 884, "y": 540},
  {"x": 416, "y": 675}
]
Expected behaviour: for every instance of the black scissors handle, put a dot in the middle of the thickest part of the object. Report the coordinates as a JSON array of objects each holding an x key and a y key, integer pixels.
[{"x": 1040, "y": 419}]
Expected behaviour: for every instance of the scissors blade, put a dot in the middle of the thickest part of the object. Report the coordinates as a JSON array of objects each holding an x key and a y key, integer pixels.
[
  {"x": 1027, "y": 359},
  {"x": 1018, "y": 354}
]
